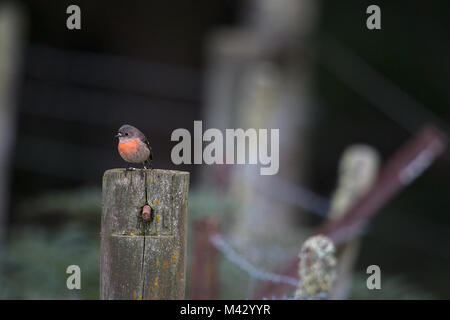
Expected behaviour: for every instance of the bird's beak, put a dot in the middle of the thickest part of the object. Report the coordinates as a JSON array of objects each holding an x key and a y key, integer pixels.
[{"x": 118, "y": 135}]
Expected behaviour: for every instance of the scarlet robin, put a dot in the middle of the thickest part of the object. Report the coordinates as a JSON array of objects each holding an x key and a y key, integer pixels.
[{"x": 134, "y": 147}]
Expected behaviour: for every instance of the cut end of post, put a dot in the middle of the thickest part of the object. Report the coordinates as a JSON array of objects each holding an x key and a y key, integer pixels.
[{"x": 122, "y": 170}]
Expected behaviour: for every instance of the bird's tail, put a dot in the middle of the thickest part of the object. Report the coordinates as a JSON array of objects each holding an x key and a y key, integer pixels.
[{"x": 148, "y": 163}]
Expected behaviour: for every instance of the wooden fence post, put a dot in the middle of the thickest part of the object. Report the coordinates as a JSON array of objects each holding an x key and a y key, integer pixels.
[
  {"x": 11, "y": 48},
  {"x": 358, "y": 169},
  {"x": 143, "y": 258}
]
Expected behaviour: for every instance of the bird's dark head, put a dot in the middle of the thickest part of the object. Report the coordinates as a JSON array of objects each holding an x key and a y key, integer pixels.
[{"x": 126, "y": 132}]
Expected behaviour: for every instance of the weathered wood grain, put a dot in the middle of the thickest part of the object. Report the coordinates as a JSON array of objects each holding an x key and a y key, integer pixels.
[{"x": 143, "y": 260}]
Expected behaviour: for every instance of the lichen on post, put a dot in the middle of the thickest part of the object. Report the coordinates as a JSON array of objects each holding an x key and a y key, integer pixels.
[
  {"x": 317, "y": 268},
  {"x": 143, "y": 251}
]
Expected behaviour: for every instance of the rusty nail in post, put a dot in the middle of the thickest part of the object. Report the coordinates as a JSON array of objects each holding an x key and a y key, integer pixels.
[{"x": 146, "y": 212}]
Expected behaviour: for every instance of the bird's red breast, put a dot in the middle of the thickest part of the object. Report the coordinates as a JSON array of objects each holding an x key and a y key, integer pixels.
[{"x": 129, "y": 148}]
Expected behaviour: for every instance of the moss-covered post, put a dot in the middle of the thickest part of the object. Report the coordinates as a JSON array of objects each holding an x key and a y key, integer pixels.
[
  {"x": 143, "y": 255},
  {"x": 358, "y": 170}
]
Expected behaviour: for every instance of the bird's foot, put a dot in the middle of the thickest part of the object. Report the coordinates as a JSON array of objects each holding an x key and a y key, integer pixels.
[{"x": 130, "y": 169}]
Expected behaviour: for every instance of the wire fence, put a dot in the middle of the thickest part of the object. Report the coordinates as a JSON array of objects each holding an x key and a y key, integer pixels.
[
  {"x": 255, "y": 273},
  {"x": 374, "y": 87},
  {"x": 227, "y": 250},
  {"x": 296, "y": 195}
]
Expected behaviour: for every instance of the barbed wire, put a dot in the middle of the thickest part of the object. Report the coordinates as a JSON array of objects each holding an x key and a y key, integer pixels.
[
  {"x": 227, "y": 250},
  {"x": 229, "y": 253},
  {"x": 113, "y": 72},
  {"x": 295, "y": 195}
]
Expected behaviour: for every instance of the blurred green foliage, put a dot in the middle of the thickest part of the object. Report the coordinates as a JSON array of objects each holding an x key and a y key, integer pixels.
[
  {"x": 50, "y": 232},
  {"x": 34, "y": 264}
]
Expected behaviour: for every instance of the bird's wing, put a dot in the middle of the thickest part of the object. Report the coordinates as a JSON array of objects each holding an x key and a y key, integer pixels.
[{"x": 145, "y": 140}]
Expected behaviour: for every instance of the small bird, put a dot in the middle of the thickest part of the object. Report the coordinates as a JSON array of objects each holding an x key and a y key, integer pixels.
[{"x": 134, "y": 147}]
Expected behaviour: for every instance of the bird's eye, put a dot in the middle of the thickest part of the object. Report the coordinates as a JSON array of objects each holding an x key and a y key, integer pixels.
[{"x": 126, "y": 133}]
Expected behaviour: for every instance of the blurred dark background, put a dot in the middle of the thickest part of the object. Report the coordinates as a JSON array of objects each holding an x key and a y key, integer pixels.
[{"x": 145, "y": 63}]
